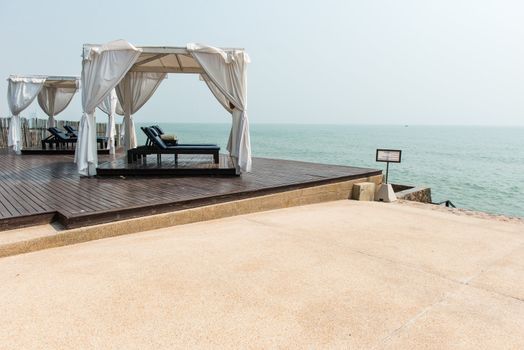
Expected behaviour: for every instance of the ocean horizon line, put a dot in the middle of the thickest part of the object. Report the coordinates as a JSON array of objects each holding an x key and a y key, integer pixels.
[{"x": 337, "y": 124}]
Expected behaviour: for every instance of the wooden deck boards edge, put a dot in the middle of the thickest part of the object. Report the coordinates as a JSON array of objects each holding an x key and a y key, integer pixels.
[
  {"x": 88, "y": 219},
  {"x": 22, "y": 221}
]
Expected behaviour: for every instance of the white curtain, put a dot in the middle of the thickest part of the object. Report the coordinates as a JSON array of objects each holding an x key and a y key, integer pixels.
[
  {"x": 102, "y": 69},
  {"x": 110, "y": 106},
  {"x": 133, "y": 92},
  {"x": 227, "y": 71},
  {"x": 216, "y": 92},
  {"x": 21, "y": 91},
  {"x": 54, "y": 100},
  {"x": 106, "y": 104}
]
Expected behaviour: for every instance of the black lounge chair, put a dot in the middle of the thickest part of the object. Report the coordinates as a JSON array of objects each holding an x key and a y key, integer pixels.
[
  {"x": 72, "y": 132},
  {"x": 160, "y": 132},
  {"x": 58, "y": 138},
  {"x": 158, "y": 129},
  {"x": 156, "y": 145}
]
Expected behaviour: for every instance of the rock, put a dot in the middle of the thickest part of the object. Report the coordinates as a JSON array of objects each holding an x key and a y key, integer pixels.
[{"x": 363, "y": 191}]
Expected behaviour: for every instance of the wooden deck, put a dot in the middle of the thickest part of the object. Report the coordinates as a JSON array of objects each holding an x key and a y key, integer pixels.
[{"x": 36, "y": 189}]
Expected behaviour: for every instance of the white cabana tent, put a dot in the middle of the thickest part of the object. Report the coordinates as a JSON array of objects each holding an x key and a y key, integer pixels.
[
  {"x": 54, "y": 95},
  {"x": 136, "y": 72}
]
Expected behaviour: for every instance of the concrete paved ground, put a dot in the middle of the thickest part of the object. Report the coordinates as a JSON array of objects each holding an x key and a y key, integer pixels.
[{"x": 340, "y": 275}]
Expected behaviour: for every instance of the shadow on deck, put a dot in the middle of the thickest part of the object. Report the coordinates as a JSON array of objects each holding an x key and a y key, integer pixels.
[{"x": 187, "y": 165}]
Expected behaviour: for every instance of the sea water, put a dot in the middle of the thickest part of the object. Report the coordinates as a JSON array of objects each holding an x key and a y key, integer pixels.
[{"x": 478, "y": 168}]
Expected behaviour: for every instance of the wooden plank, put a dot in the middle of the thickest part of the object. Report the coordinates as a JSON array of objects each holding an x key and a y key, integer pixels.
[{"x": 10, "y": 210}]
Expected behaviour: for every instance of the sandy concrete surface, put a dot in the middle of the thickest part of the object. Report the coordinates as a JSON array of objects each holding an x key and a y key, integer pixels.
[
  {"x": 21, "y": 234},
  {"x": 338, "y": 275}
]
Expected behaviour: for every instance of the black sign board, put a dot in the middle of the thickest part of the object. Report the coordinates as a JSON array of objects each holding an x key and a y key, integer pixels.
[{"x": 389, "y": 155}]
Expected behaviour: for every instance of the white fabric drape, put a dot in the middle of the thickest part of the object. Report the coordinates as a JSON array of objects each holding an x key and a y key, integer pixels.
[
  {"x": 110, "y": 106},
  {"x": 216, "y": 92},
  {"x": 135, "y": 89},
  {"x": 21, "y": 91},
  {"x": 106, "y": 104},
  {"x": 122, "y": 131},
  {"x": 227, "y": 71},
  {"x": 102, "y": 69},
  {"x": 54, "y": 100}
]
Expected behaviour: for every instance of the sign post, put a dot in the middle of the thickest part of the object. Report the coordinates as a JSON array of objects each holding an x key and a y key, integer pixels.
[
  {"x": 385, "y": 192},
  {"x": 388, "y": 156}
]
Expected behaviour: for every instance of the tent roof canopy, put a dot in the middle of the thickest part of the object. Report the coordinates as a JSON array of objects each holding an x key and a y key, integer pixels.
[
  {"x": 50, "y": 80},
  {"x": 62, "y": 82},
  {"x": 165, "y": 59}
]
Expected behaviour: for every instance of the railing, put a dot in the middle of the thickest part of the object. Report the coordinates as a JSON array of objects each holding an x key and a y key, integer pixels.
[
  {"x": 447, "y": 203},
  {"x": 34, "y": 130}
]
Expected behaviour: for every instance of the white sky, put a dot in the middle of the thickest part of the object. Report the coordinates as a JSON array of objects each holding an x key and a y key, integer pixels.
[{"x": 363, "y": 62}]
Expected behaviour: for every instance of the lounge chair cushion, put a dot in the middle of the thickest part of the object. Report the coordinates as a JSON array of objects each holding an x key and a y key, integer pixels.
[{"x": 168, "y": 137}]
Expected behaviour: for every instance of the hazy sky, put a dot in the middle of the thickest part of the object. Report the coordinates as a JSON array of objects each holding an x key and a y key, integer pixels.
[{"x": 365, "y": 62}]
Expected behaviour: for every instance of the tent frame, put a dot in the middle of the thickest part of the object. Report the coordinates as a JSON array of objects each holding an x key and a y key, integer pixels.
[
  {"x": 62, "y": 81},
  {"x": 55, "y": 81},
  {"x": 151, "y": 54},
  {"x": 59, "y": 81}
]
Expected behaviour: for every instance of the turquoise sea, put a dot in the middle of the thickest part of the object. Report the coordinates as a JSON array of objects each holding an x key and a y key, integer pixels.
[{"x": 479, "y": 168}]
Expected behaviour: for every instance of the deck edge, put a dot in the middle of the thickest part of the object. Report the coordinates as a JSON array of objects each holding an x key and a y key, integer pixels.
[{"x": 310, "y": 195}]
